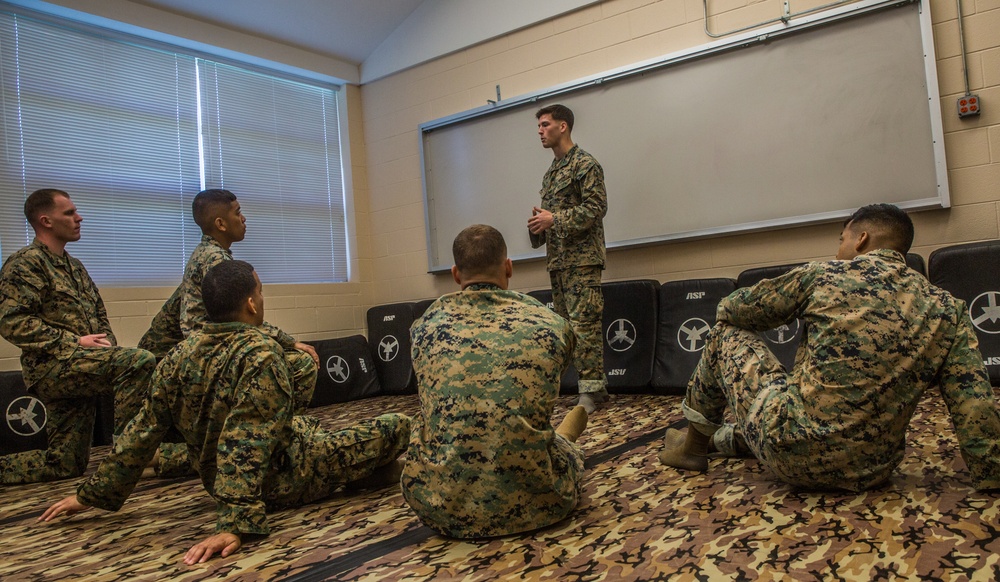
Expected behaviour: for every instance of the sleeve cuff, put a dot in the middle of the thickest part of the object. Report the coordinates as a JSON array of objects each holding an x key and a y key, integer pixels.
[{"x": 241, "y": 520}]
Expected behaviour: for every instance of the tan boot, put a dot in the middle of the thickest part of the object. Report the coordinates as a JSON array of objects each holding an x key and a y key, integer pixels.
[
  {"x": 689, "y": 452},
  {"x": 572, "y": 426}
]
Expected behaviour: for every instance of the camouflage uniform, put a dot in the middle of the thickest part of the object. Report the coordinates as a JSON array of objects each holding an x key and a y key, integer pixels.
[
  {"x": 184, "y": 313},
  {"x": 573, "y": 191},
  {"x": 228, "y": 391},
  {"x": 47, "y": 302},
  {"x": 877, "y": 335},
  {"x": 485, "y": 460}
]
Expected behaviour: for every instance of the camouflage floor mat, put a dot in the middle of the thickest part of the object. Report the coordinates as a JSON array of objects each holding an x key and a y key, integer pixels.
[{"x": 638, "y": 521}]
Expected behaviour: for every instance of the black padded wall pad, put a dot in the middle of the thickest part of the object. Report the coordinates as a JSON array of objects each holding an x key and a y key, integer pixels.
[
  {"x": 783, "y": 340},
  {"x": 629, "y": 330},
  {"x": 24, "y": 417},
  {"x": 754, "y": 276},
  {"x": 631, "y": 311},
  {"x": 971, "y": 272},
  {"x": 687, "y": 313},
  {"x": 916, "y": 262},
  {"x": 346, "y": 371},
  {"x": 420, "y": 307},
  {"x": 389, "y": 339}
]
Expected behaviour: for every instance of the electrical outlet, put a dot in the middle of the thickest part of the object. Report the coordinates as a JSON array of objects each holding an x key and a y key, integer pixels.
[{"x": 968, "y": 105}]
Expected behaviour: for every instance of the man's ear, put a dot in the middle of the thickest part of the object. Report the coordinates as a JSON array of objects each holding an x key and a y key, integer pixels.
[
  {"x": 864, "y": 241},
  {"x": 251, "y": 306},
  {"x": 508, "y": 266},
  {"x": 454, "y": 274},
  {"x": 219, "y": 224}
]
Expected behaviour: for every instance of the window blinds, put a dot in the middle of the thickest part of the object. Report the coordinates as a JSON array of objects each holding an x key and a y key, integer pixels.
[{"x": 133, "y": 132}]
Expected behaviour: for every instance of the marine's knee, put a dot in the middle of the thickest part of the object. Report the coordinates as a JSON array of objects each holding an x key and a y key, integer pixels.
[
  {"x": 143, "y": 359},
  {"x": 397, "y": 428},
  {"x": 65, "y": 465}
]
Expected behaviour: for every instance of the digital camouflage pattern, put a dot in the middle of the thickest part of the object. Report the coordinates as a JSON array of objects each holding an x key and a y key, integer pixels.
[
  {"x": 184, "y": 313},
  {"x": 877, "y": 334},
  {"x": 573, "y": 191},
  {"x": 578, "y": 297},
  {"x": 47, "y": 302},
  {"x": 229, "y": 393},
  {"x": 636, "y": 521},
  {"x": 484, "y": 460}
]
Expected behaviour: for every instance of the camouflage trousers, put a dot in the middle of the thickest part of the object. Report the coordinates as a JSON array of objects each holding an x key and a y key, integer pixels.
[
  {"x": 735, "y": 369},
  {"x": 173, "y": 459},
  {"x": 577, "y": 296},
  {"x": 69, "y": 393},
  {"x": 504, "y": 503},
  {"x": 320, "y": 461}
]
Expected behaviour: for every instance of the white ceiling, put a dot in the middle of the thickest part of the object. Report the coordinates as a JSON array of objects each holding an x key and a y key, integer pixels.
[
  {"x": 378, "y": 37},
  {"x": 348, "y": 30},
  {"x": 353, "y": 41}
]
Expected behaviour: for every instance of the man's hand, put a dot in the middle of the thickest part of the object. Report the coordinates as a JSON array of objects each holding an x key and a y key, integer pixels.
[
  {"x": 69, "y": 506},
  {"x": 95, "y": 340},
  {"x": 304, "y": 347},
  {"x": 224, "y": 543},
  {"x": 540, "y": 221}
]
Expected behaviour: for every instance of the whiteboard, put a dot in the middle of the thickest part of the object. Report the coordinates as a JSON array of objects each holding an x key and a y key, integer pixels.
[{"x": 795, "y": 125}]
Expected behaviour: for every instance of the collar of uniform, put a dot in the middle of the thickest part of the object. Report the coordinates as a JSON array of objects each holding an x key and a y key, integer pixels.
[
  {"x": 888, "y": 255},
  {"x": 205, "y": 239},
  {"x": 226, "y": 327},
  {"x": 483, "y": 287},
  {"x": 558, "y": 162},
  {"x": 64, "y": 258}
]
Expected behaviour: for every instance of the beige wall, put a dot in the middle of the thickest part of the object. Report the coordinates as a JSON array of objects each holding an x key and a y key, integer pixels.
[
  {"x": 616, "y": 33},
  {"x": 390, "y": 261}
]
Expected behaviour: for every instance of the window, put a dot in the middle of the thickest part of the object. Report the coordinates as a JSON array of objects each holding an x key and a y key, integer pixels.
[{"x": 133, "y": 132}]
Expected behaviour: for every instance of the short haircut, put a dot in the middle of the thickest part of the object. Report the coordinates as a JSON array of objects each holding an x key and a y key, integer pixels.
[
  {"x": 479, "y": 250},
  {"x": 558, "y": 112},
  {"x": 207, "y": 205},
  {"x": 891, "y": 226},
  {"x": 226, "y": 288},
  {"x": 39, "y": 202}
]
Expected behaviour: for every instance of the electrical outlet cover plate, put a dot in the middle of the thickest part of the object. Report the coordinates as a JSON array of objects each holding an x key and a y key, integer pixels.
[{"x": 968, "y": 105}]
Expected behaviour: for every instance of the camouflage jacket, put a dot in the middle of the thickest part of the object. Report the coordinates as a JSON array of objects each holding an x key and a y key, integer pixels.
[
  {"x": 47, "y": 303},
  {"x": 573, "y": 191},
  {"x": 482, "y": 461},
  {"x": 228, "y": 391},
  {"x": 877, "y": 334},
  {"x": 184, "y": 311}
]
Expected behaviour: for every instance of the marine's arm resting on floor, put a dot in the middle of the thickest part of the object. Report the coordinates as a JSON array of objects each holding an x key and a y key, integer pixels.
[
  {"x": 117, "y": 475},
  {"x": 966, "y": 389}
]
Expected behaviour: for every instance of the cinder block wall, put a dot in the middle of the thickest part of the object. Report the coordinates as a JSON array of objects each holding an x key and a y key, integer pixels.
[{"x": 616, "y": 33}]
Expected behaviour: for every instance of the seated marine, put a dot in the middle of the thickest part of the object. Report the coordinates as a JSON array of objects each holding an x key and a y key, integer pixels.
[
  {"x": 484, "y": 460},
  {"x": 228, "y": 391}
]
